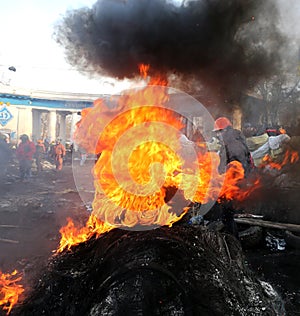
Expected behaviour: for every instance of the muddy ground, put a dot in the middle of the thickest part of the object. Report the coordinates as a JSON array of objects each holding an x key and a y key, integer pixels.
[{"x": 31, "y": 214}]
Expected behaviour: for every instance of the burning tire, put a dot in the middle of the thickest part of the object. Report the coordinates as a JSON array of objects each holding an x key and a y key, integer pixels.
[{"x": 178, "y": 271}]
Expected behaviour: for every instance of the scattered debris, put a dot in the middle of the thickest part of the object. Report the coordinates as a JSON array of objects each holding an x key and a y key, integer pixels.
[{"x": 275, "y": 243}]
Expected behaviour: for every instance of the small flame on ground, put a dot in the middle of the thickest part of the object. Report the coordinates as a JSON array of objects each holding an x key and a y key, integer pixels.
[
  {"x": 72, "y": 235},
  {"x": 10, "y": 290}
]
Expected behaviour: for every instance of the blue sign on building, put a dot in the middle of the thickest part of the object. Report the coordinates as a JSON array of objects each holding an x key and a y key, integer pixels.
[
  {"x": 45, "y": 103},
  {"x": 5, "y": 116}
]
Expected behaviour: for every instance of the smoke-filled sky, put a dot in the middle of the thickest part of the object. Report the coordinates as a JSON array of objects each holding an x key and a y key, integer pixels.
[{"x": 227, "y": 44}]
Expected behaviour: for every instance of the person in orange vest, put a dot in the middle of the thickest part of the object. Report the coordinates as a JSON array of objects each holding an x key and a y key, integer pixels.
[
  {"x": 58, "y": 152},
  {"x": 24, "y": 153}
]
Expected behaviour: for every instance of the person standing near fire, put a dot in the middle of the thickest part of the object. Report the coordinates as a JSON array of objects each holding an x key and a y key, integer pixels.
[
  {"x": 39, "y": 155},
  {"x": 24, "y": 154},
  {"x": 58, "y": 153},
  {"x": 233, "y": 148}
]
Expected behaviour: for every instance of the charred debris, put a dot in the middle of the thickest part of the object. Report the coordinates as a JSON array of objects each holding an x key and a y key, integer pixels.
[{"x": 183, "y": 270}]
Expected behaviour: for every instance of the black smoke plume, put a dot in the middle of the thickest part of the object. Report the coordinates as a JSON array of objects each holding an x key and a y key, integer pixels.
[{"x": 227, "y": 44}]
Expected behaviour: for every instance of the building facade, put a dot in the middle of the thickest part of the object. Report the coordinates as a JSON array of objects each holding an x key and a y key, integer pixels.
[{"x": 41, "y": 114}]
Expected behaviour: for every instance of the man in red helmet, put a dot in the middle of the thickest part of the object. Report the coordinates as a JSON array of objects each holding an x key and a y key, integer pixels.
[{"x": 233, "y": 146}]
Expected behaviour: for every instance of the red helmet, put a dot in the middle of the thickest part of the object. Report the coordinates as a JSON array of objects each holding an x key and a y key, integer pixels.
[{"x": 221, "y": 123}]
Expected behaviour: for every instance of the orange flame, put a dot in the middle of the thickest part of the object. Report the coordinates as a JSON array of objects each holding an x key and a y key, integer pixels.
[
  {"x": 155, "y": 80},
  {"x": 10, "y": 290},
  {"x": 141, "y": 163},
  {"x": 159, "y": 81},
  {"x": 72, "y": 235},
  {"x": 290, "y": 157},
  {"x": 213, "y": 186},
  {"x": 294, "y": 157},
  {"x": 144, "y": 70},
  {"x": 235, "y": 186},
  {"x": 139, "y": 135},
  {"x": 282, "y": 130},
  {"x": 152, "y": 160}
]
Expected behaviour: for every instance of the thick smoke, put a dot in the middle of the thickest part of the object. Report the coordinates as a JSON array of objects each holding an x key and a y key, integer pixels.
[{"x": 227, "y": 44}]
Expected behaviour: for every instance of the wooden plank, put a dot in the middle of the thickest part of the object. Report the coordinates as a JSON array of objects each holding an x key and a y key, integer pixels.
[{"x": 268, "y": 224}]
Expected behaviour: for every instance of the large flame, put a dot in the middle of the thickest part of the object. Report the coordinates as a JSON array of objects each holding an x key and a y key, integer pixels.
[
  {"x": 140, "y": 161},
  {"x": 10, "y": 290},
  {"x": 145, "y": 177}
]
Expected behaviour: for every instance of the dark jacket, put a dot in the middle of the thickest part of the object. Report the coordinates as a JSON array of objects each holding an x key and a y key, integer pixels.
[
  {"x": 234, "y": 148},
  {"x": 5, "y": 152}
]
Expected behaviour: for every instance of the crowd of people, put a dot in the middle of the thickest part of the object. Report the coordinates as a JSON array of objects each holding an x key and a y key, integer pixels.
[
  {"x": 27, "y": 152},
  {"x": 234, "y": 148},
  {"x": 233, "y": 145}
]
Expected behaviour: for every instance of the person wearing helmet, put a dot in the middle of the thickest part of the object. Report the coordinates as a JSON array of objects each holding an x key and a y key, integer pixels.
[
  {"x": 24, "y": 153},
  {"x": 233, "y": 146}
]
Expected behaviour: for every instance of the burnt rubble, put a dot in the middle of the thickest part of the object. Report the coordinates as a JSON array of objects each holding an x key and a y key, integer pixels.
[{"x": 183, "y": 270}]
